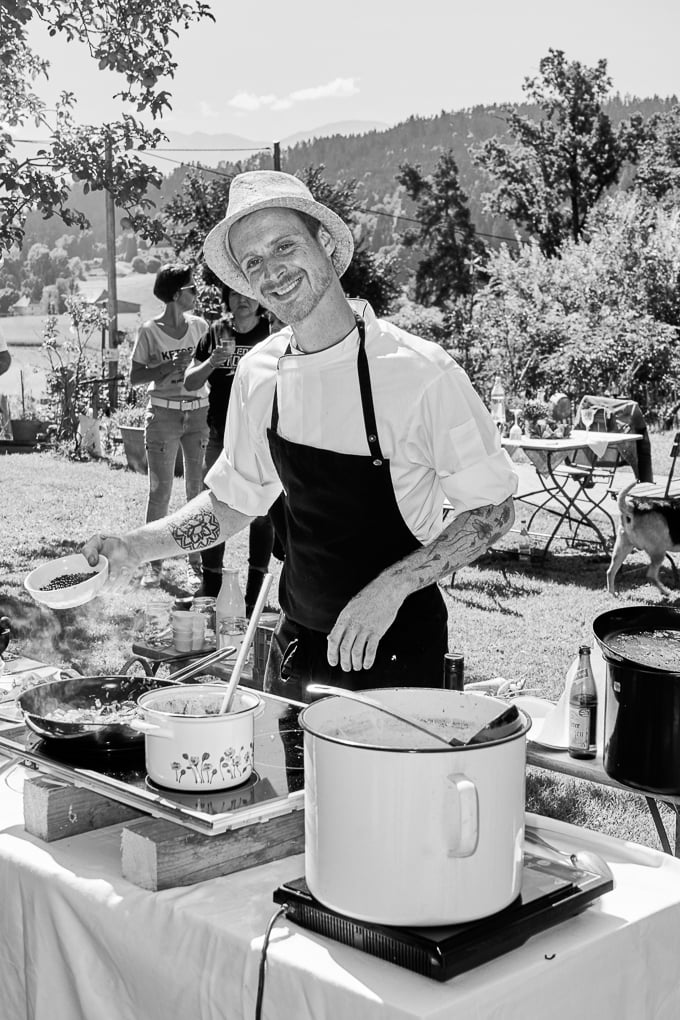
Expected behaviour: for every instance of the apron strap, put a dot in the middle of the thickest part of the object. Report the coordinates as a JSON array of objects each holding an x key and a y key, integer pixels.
[{"x": 367, "y": 406}]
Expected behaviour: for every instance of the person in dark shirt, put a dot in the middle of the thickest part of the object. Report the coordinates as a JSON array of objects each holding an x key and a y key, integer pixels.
[{"x": 244, "y": 323}]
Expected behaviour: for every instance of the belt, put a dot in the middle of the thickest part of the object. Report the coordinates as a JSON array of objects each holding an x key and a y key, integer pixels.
[{"x": 190, "y": 404}]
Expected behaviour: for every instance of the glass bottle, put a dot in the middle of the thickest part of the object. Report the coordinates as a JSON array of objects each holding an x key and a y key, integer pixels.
[
  {"x": 454, "y": 671},
  {"x": 498, "y": 403},
  {"x": 230, "y": 606},
  {"x": 524, "y": 546},
  {"x": 583, "y": 709}
]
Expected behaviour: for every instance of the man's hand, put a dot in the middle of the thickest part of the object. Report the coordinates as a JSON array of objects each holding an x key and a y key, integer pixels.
[
  {"x": 123, "y": 560},
  {"x": 354, "y": 640}
]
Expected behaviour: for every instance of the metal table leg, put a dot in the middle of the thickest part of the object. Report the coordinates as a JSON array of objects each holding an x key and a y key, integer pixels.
[{"x": 660, "y": 828}]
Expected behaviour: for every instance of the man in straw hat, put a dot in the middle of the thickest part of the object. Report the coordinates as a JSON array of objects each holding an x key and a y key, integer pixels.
[{"x": 365, "y": 429}]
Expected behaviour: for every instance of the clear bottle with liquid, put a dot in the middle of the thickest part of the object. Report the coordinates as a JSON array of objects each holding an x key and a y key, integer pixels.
[
  {"x": 230, "y": 611},
  {"x": 498, "y": 402},
  {"x": 524, "y": 547},
  {"x": 583, "y": 709}
]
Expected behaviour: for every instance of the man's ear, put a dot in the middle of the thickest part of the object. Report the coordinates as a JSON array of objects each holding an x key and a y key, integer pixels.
[{"x": 326, "y": 241}]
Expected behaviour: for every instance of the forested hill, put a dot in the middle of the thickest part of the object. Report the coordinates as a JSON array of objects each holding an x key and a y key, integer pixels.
[{"x": 373, "y": 159}]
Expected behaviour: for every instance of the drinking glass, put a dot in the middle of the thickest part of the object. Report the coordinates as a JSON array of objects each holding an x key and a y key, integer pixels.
[
  {"x": 588, "y": 416},
  {"x": 226, "y": 339},
  {"x": 515, "y": 429}
]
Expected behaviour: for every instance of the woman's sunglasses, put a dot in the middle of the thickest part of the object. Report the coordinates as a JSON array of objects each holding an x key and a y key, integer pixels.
[{"x": 190, "y": 286}]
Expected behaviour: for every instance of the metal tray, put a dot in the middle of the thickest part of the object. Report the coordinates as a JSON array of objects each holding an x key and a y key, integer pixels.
[{"x": 274, "y": 789}]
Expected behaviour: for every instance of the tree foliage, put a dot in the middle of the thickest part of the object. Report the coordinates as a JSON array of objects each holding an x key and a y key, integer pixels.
[
  {"x": 658, "y": 170},
  {"x": 129, "y": 37},
  {"x": 559, "y": 166},
  {"x": 603, "y": 316},
  {"x": 446, "y": 232}
]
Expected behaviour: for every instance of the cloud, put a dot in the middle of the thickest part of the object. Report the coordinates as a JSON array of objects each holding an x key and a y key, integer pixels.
[
  {"x": 338, "y": 88},
  {"x": 247, "y": 101}
]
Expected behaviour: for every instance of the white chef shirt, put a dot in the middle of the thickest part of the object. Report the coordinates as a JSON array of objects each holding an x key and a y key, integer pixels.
[{"x": 432, "y": 426}]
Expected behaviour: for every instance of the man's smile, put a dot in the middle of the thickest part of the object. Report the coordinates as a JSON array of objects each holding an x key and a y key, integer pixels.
[{"x": 285, "y": 289}]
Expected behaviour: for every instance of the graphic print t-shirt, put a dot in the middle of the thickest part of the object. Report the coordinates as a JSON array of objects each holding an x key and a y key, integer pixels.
[
  {"x": 221, "y": 379},
  {"x": 153, "y": 345}
]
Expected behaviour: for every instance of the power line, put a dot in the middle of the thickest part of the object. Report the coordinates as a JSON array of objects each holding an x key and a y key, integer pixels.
[{"x": 226, "y": 176}]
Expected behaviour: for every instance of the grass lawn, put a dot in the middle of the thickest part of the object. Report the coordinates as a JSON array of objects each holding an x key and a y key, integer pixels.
[{"x": 510, "y": 618}]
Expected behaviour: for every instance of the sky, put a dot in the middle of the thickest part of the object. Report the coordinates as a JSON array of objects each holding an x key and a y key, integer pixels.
[{"x": 266, "y": 69}]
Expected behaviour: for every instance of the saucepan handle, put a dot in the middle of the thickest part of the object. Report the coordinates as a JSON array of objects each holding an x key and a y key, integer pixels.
[
  {"x": 142, "y": 726},
  {"x": 462, "y": 816}
]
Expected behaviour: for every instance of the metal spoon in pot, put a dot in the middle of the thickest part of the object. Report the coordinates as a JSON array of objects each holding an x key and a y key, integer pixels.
[
  {"x": 491, "y": 730},
  {"x": 586, "y": 860},
  {"x": 363, "y": 699}
]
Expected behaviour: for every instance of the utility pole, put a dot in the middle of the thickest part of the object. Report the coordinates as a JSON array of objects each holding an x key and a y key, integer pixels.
[
  {"x": 277, "y": 155},
  {"x": 111, "y": 287}
]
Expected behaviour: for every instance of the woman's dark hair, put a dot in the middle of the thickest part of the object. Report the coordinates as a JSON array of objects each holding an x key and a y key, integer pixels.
[
  {"x": 227, "y": 291},
  {"x": 169, "y": 279}
]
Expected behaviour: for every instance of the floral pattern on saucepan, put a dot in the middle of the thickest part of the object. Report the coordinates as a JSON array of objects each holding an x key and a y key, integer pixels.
[{"x": 232, "y": 764}]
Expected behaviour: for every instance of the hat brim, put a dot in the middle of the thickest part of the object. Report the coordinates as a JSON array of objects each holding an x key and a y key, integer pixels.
[{"x": 221, "y": 261}]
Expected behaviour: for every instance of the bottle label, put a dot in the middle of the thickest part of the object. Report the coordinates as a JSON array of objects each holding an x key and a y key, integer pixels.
[{"x": 582, "y": 720}]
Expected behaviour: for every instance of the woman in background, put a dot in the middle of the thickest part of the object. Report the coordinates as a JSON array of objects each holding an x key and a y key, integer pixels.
[
  {"x": 244, "y": 323},
  {"x": 175, "y": 416}
]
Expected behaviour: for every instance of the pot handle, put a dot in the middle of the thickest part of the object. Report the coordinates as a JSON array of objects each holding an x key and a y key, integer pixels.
[
  {"x": 142, "y": 726},
  {"x": 462, "y": 816}
]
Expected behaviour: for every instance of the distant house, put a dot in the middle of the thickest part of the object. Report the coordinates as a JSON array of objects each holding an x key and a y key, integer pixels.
[
  {"x": 123, "y": 306},
  {"x": 23, "y": 306}
]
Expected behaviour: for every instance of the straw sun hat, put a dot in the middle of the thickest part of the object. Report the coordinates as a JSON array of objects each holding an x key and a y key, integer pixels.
[{"x": 265, "y": 189}]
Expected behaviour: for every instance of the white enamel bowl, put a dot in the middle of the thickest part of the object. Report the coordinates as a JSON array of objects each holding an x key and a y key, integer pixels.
[{"x": 66, "y": 598}]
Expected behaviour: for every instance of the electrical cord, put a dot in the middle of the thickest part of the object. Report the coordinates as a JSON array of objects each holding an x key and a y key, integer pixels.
[{"x": 263, "y": 960}]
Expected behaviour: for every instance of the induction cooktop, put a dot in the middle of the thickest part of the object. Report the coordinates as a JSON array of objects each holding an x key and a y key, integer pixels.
[
  {"x": 551, "y": 892},
  {"x": 274, "y": 788}
]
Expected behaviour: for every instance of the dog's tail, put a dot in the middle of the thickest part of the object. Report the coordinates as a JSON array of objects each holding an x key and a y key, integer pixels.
[{"x": 621, "y": 499}]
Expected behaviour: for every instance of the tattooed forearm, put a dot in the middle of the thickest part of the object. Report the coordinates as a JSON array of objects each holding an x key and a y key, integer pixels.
[
  {"x": 466, "y": 538},
  {"x": 202, "y": 523},
  {"x": 195, "y": 530}
]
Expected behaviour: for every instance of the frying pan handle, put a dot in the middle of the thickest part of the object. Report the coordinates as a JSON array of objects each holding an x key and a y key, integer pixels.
[
  {"x": 142, "y": 726},
  {"x": 461, "y": 824}
]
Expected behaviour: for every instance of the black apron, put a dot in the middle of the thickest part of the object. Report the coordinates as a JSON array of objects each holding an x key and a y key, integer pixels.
[{"x": 342, "y": 528}]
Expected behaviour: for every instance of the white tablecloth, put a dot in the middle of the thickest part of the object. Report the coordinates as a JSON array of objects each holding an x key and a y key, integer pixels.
[{"x": 79, "y": 942}]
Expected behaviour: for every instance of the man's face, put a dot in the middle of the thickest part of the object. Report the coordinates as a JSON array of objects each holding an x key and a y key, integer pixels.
[{"x": 287, "y": 268}]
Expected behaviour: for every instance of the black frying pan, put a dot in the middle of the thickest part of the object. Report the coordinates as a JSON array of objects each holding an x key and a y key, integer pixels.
[{"x": 39, "y": 702}]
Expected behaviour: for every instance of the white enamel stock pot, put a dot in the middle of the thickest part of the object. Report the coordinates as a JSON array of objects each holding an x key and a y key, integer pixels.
[
  {"x": 401, "y": 829},
  {"x": 189, "y": 745}
]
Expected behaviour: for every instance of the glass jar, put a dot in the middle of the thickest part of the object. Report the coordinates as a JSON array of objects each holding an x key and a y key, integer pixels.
[
  {"x": 206, "y": 606},
  {"x": 156, "y": 624}
]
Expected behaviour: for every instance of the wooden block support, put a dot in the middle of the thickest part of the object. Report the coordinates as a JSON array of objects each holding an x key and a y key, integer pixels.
[
  {"x": 53, "y": 810},
  {"x": 157, "y": 854}
]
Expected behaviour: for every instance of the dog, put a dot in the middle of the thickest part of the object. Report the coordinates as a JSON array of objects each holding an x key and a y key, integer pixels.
[{"x": 654, "y": 528}]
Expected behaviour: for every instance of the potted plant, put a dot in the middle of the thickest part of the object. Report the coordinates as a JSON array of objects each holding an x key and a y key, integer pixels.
[
  {"x": 129, "y": 420},
  {"x": 26, "y": 428}
]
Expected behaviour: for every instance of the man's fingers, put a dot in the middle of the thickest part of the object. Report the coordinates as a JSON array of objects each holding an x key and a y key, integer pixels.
[
  {"x": 92, "y": 549},
  {"x": 352, "y": 649}
]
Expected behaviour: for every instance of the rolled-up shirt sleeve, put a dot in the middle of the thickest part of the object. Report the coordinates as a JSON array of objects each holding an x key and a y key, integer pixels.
[
  {"x": 244, "y": 476},
  {"x": 457, "y": 435}
]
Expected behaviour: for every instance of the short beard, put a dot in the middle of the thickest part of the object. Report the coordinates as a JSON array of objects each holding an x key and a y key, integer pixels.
[{"x": 298, "y": 311}]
